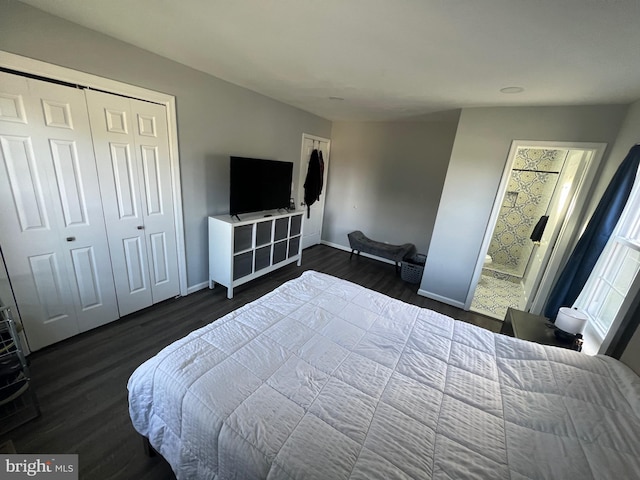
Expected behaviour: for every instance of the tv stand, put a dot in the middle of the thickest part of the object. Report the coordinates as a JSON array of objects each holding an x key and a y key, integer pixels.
[{"x": 241, "y": 250}]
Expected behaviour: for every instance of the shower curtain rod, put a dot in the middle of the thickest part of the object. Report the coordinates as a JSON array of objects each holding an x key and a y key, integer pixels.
[{"x": 529, "y": 170}]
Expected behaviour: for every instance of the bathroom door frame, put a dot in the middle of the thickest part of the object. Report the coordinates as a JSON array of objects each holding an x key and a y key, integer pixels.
[{"x": 569, "y": 228}]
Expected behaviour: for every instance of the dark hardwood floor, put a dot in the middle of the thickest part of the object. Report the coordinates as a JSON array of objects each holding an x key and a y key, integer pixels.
[{"x": 81, "y": 383}]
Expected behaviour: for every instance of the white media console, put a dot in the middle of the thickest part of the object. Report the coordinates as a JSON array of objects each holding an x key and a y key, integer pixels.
[{"x": 258, "y": 243}]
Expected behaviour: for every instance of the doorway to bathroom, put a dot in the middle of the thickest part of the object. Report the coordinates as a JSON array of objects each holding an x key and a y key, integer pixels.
[{"x": 543, "y": 189}]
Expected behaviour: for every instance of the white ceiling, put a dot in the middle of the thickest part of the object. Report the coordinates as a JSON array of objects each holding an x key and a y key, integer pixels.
[{"x": 389, "y": 59}]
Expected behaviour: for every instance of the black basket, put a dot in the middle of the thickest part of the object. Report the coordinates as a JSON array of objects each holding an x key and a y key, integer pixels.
[{"x": 412, "y": 268}]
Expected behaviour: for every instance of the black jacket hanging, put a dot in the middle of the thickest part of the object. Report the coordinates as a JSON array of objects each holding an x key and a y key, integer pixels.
[
  {"x": 321, "y": 163},
  {"x": 313, "y": 181},
  {"x": 538, "y": 230}
]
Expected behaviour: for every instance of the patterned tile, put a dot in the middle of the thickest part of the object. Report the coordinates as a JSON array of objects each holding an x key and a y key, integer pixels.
[
  {"x": 531, "y": 186},
  {"x": 494, "y": 295}
]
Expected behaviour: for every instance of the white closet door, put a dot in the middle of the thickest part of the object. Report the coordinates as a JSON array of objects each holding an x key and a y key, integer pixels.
[
  {"x": 313, "y": 224},
  {"x": 132, "y": 152},
  {"x": 53, "y": 235}
]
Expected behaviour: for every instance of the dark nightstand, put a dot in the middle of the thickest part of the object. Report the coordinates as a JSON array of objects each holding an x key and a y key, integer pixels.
[{"x": 528, "y": 326}]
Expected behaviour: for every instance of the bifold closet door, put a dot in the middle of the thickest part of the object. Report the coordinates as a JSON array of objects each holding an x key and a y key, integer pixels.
[
  {"x": 52, "y": 231},
  {"x": 132, "y": 152}
]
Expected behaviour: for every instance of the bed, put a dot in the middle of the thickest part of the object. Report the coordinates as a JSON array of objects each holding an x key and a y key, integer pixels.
[{"x": 325, "y": 379}]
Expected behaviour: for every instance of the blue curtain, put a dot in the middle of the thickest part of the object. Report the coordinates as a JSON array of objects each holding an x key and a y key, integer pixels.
[{"x": 595, "y": 237}]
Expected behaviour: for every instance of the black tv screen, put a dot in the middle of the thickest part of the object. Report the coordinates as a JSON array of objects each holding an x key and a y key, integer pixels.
[{"x": 258, "y": 185}]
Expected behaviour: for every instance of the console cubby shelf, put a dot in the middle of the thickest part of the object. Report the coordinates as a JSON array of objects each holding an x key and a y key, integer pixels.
[{"x": 258, "y": 243}]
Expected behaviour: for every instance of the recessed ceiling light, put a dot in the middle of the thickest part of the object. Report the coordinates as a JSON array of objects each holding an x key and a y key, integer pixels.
[
  {"x": 339, "y": 99},
  {"x": 512, "y": 90}
]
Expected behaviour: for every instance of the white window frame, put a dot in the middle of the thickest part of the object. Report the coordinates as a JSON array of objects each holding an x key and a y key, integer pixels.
[{"x": 604, "y": 280}]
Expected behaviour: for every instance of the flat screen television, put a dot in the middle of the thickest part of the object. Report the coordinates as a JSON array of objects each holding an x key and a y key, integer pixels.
[{"x": 257, "y": 185}]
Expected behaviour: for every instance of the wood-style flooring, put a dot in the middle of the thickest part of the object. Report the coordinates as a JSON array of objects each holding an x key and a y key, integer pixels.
[{"x": 81, "y": 383}]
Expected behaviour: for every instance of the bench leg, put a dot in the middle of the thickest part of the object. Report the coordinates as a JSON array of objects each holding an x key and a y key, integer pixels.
[{"x": 352, "y": 251}]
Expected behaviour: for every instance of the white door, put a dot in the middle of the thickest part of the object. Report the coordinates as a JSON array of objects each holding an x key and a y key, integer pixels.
[
  {"x": 53, "y": 235},
  {"x": 566, "y": 189},
  {"x": 312, "y": 225},
  {"x": 132, "y": 151}
]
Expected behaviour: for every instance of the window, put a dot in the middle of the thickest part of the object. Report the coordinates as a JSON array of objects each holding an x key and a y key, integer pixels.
[{"x": 615, "y": 275}]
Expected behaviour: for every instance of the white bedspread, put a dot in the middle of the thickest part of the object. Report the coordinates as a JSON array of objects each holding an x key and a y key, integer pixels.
[{"x": 324, "y": 379}]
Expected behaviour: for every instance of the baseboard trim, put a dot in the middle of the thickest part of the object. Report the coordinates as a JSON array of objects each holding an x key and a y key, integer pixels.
[
  {"x": 440, "y": 298},
  {"x": 348, "y": 249},
  {"x": 197, "y": 287}
]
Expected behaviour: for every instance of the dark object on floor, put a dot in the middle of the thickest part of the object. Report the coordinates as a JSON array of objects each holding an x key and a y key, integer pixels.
[
  {"x": 359, "y": 242},
  {"x": 412, "y": 268}
]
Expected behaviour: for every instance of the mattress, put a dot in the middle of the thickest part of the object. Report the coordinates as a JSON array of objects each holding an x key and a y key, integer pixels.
[{"x": 325, "y": 379}]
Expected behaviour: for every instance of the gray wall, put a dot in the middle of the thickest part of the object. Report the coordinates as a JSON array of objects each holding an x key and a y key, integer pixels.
[
  {"x": 215, "y": 118},
  {"x": 386, "y": 178},
  {"x": 628, "y": 136},
  {"x": 477, "y": 162}
]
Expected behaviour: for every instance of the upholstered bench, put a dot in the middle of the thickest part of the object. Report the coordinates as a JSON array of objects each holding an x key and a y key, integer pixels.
[{"x": 359, "y": 242}]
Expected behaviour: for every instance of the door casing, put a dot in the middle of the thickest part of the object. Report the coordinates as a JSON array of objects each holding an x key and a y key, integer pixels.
[{"x": 569, "y": 229}]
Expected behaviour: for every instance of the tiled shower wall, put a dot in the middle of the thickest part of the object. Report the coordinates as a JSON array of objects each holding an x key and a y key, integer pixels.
[{"x": 533, "y": 179}]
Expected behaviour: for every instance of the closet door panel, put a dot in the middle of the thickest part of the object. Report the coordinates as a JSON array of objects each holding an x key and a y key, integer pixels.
[
  {"x": 75, "y": 193},
  {"x": 135, "y": 261},
  {"x": 12, "y": 104},
  {"x": 23, "y": 182},
  {"x": 66, "y": 165},
  {"x": 52, "y": 294},
  {"x": 122, "y": 170},
  {"x": 48, "y": 170},
  {"x": 57, "y": 114},
  {"x": 151, "y": 138},
  {"x": 119, "y": 174},
  {"x": 152, "y": 182},
  {"x": 31, "y": 246},
  {"x": 88, "y": 281},
  {"x": 160, "y": 265}
]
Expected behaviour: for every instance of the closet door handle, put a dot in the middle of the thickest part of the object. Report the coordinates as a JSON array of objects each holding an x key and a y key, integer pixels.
[
  {"x": 140, "y": 227},
  {"x": 71, "y": 239}
]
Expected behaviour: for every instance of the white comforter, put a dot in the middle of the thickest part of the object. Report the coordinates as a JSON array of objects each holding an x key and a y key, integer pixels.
[{"x": 324, "y": 379}]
